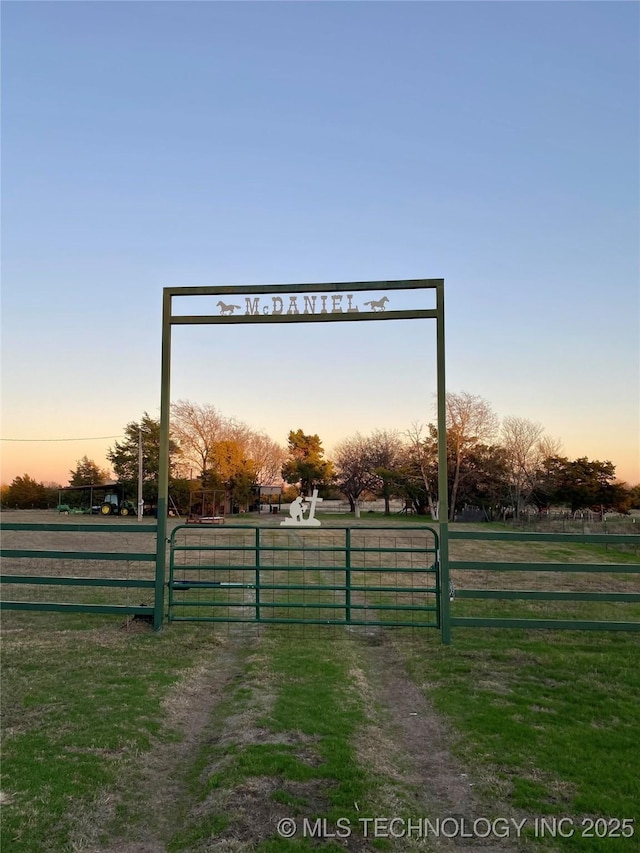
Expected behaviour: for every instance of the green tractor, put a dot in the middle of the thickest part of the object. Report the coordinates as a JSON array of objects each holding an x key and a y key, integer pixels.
[{"x": 114, "y": 504}]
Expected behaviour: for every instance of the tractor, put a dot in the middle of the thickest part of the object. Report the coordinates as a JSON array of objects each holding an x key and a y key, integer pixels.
[{"x": 114, "y": 504}]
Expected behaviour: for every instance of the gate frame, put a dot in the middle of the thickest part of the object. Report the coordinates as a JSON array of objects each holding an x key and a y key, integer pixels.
[
  {"x": 346, "y": 549},
  {"x": 170, "y": 319}
]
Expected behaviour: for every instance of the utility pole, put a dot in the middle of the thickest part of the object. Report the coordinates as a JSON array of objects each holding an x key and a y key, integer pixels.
[{"x": 140, "y": 498}]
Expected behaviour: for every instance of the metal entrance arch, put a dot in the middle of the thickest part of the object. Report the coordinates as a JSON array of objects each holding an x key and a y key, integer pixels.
[{"x": 307, "y": 303}]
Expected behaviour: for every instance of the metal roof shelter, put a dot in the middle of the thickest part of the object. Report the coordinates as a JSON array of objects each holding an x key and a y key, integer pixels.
[
  {"x": 305, "y": 303},
  {"x": 112, "y": 485},
  {"x": 104, "y": 489},
  {"x": 94, "y": 487}
]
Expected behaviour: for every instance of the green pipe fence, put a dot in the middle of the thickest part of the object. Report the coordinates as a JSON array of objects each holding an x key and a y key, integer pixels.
[
  {"x": 386, "y": 576},
  {"x": 533, "y": 568},
  {"x": 32, "y": 559}
]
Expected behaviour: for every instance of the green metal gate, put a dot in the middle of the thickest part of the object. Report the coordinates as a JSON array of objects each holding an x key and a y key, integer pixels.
[{"x": 373, "y": 576}]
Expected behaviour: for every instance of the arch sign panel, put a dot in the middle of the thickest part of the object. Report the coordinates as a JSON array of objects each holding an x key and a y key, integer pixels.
[{"x": 298, "y": 303}]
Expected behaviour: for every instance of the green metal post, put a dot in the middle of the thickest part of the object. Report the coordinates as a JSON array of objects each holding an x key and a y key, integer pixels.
[
  {"x": 347, "y": 574},
  {"x": 163, "y": 473},
  {"x": 257, "y": 584},
  {"x": 170, "y": 584},
  {"x": 443, "y": 485}
]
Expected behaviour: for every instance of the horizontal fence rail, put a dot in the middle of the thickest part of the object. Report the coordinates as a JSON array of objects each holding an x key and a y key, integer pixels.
[
  {"x": 36, "y": 561},
  {"x": 373, "y": 576},
  {"x": 534, "y": 569}
]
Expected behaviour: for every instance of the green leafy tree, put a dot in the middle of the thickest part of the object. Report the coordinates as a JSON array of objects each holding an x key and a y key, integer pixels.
[
  {"x": 88, "y": 473},
  {"x": 306, "y": 465},
  {"x": 124, "y": 457},
  {"x": 241, "y": 489},
  {"x": 621, "y": 498},
  {"x": 228, "y": 460},
  {"x": 25, "y": 493},
  {"x": 484, "y": 479},
  {"x": 579, "y": 483}
]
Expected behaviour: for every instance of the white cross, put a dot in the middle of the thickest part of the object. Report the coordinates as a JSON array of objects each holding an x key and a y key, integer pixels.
[{"x": 313, "y": 501}]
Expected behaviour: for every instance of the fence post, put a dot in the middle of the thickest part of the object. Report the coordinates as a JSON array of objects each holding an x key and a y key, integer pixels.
[
  {"x": 347, "y": 574},
  {"x": 163, "y": 467},
  {"x": 257, "y": 563},
  {"x": 443, "y": 484}
]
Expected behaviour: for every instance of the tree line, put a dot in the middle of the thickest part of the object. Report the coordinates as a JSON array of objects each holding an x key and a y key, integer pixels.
[{"x": 497, "y": 467}]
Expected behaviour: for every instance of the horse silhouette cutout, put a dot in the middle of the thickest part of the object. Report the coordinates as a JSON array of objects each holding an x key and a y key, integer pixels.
[
  {"x": 227, "y": 309},
  {"x": 378, "y": 304}
]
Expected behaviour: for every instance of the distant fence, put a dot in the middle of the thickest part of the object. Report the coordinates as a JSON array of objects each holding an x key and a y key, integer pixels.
[
  {"x": 586, "y": 523},
  {"x": 339, "y": 506},
  {"x": 35, "y": 577},
  {"x": 613, "y": 589}
]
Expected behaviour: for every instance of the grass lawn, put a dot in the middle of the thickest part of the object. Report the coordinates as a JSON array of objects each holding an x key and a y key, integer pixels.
[{"x": 546, "y": 721}]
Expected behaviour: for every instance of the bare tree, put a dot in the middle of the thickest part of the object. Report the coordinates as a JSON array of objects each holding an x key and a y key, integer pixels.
[
  {"x": 267, "y": 456},
  {"x": 355, "y": 475},
  {"x": 214, "y": 444},
  {"x": 521, "y": 441},
  {"x": 527, "y": 447},
  {"x": 197, "y": 429},
  {"x": 386, "y": 451},
  {"x": 470, "y": 421},
  {"x": 549, "y": 447},
  {"x": 423, "y": 453}
]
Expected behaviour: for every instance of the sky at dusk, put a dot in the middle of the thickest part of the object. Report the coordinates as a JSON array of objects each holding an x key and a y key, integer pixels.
[{"x": 155, "y": 144}]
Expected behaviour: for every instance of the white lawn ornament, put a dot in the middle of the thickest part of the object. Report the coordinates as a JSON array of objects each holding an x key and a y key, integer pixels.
[{"x": 297, "y": 510}]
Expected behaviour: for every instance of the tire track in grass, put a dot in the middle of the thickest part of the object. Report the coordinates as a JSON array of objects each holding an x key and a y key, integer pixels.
[
  {"x": 385, "y": 755},
  {"x": 152, "y": 795},
  {"x": 280, "y": 750},
  {"x": 407, "y": 742}
]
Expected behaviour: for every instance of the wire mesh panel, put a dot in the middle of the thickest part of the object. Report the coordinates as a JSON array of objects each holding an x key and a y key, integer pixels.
[
  {"x": 212, "y": 574},
  {"x": 329, "y": 576},
  {"x": 394, "y": 577}
]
